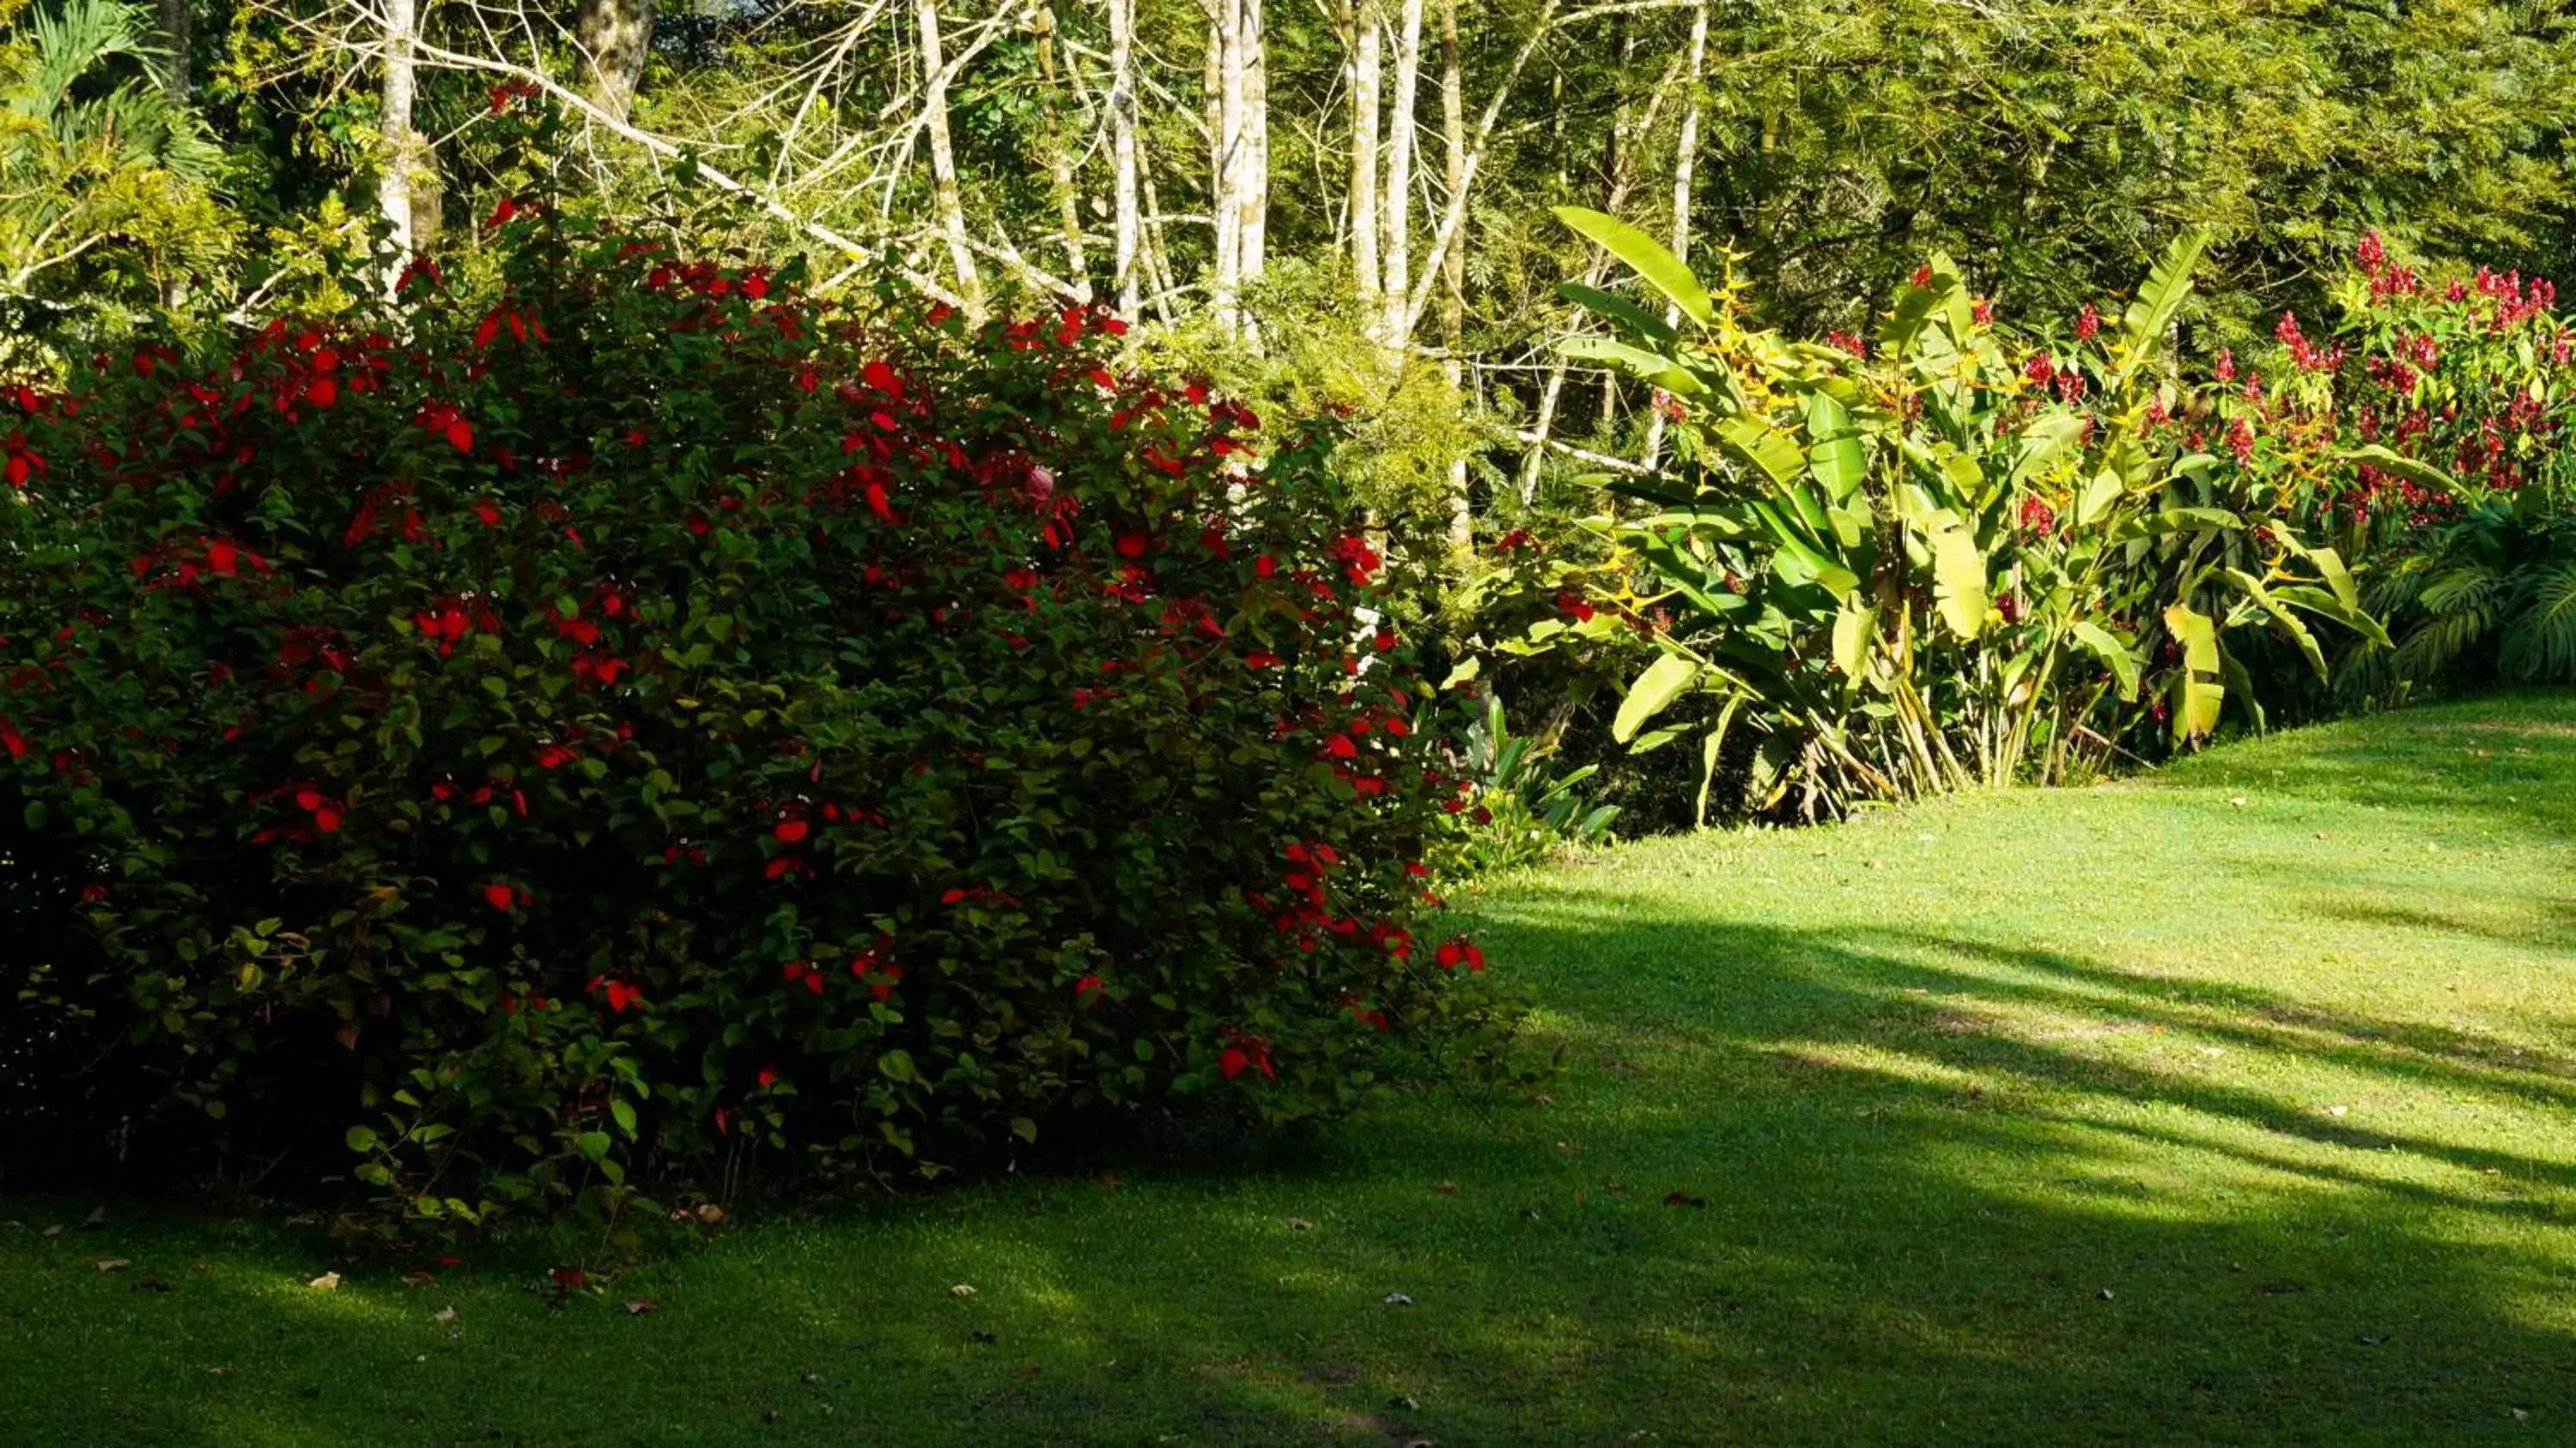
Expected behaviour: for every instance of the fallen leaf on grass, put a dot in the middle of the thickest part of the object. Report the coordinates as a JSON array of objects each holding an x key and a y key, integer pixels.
[
  {"x": 1398, "y": 1299},
  {"x": 327, "y": 1282},
  {"x": 54, "y": 1231},
  {"x": 114, "y": 1264},
  {"x": 95, "y": 1220},
  {"x": 1683, "y": 1199},
  {"x": 711, "y": 1214},
  {"x": 151, "y": 1284},
  {"x": 443, "y": 1315},
  {"x": 961, "y": 1290},
  {"x": 1447, "y": 1189},
  {"x": 1300, "y": 1224},
  {"x": 420, "y": 1279},
  {"x": 639, "y": 1306}
]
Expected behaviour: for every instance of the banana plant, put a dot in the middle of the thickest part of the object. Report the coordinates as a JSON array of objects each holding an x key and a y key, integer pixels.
[{"x": 1904, "y": 570}]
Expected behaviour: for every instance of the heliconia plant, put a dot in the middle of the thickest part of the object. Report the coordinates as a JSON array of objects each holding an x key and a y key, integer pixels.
[
  {"x": 1943, "y": 555},
  {"x": 579, "y": 733}
]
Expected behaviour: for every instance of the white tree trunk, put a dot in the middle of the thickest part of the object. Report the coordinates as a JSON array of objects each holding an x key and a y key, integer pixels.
[
  {"x": 1122, "y": 153},
  {"x": 1453, "y": 258},
  {"x": 393, "y": 188},
  {"x": 1361, "y": 17},
  {"x": 1225, "y": 200},
  {"x": 1068, "y": 202},
  {"x": 1396, "y": 211},
  {"x": 943, "y": 158},
  {"x": 1254, "y": 198},
  {"x": 1685, "y": 157}
]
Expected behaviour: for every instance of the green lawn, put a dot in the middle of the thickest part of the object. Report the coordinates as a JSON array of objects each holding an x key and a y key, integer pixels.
[{"x": 2234, "y": 1105}]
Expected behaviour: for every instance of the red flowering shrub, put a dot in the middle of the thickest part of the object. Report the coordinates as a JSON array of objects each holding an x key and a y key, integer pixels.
[{"x": 513, "y": 744}]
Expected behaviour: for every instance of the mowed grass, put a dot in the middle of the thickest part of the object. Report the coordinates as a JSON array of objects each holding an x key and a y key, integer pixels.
[{"x": 2231, "y": 1105}]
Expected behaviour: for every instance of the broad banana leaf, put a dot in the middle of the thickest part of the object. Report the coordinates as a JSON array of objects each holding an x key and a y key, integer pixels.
[
  {"x": 1855, "y": 625},
  {"x": 1618, "y": 309},
  {"x": 1834, "y": 456},
  {"x": 1663, "y": 681},
  {"x": 1958, "y": 572},
  {"x": 2413, "y": 470},
  {"x": 1647, "y": 366},
  {"x": 2281, "y": 615},
  {"x": 1768, "y": 450},
  {"x": 2153, "y": 310},
  {"x": 2197, "y": 690},
  {"x": 2044, "y": 441},
  {"x": 1662, "y": 270},
  {"x": 2178, "y": 520},
  {"x": 2102, "y": 644}
]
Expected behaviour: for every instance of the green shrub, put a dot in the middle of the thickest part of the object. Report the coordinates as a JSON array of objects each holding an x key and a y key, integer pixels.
[{"x": 575, "y": 736}]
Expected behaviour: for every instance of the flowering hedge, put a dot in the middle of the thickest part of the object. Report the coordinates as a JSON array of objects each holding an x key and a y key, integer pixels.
[{"x": 506, "y": 744}]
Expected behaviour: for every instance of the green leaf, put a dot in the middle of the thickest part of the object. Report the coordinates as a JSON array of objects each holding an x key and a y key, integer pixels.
[
  {"x": 1655, "y": 689},
  {"x": 595, "y": 1144},
  {"x": 362, "y": 1138},
  {"x": 1768, "y": 450},
  {"x": 1646, "y": 366},
  {"x": 1645, "y": 256},
  {"x": 2102, "y": 644},
  {"x": 897, "y": 1065},
  {"x": 2422, "y": 474},
  {"x": 624, "y": 1112},
  {"x": 2197, "y": 690},
  {"x": 1854, "y": 626},
  {"x": 2178, "y": 520},
  {"x": 2045, "y": 440},
  {"x": 2152, "y": 311},
  {"x": 1958, "y": 573},
  {"x": 1614, "y": 308},
  {"x": 2280, "y": 612},
  {"x": 1834, "y": 456}
]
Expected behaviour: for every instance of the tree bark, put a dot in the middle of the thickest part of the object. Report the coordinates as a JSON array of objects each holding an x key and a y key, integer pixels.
[
  {"x": 1060, "y": 160},
  {"x": 615, "y": 36},
  {"x": 1453, "y": 258},
  {"x": 1685, "y": 157},
  {"x": 1365, "y": 62},
  {"x": 1396, "y": 211},
  {"x": 393, "y": 187},
  {"x": 1229, "y": 143},
  {"x": 943, "y": 158},
  {"x": 1254, "y": 197},
  {"x": 1122, "y": 153},
  {"x": 178, "y": 25}
]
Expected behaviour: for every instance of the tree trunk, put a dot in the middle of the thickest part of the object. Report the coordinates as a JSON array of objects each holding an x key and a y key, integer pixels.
[
  {"x": 1254, "y": 198},
  {"x": 1685, "y": 156},
  {"x": 943, "y": 159},
  {"x": 1068, "y": 203},
  {"x": 393, "y": 187},
  {"x": 1122, "y": 153},
  {"x": 1453, "y": 258},
  {"x": 178, "y": 24},
  {"x": 1362, "y": 21},
  {"x": 1225, "y": 201},
  {"x": 1396, "y": 211},
  {"x": 616, "y": 36}
]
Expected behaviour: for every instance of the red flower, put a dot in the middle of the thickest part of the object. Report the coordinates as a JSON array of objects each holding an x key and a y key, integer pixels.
[
  {"x": 499, "y": 897},
  {"x": 327, "y": 821},
  {"x": 1132, "y": 545},
  {"x": 790, "y": 831},
  {"x": 1086, "y": 986},
  {"x": 768, "y": 1078},
  {"x": 554, "y": 756}
]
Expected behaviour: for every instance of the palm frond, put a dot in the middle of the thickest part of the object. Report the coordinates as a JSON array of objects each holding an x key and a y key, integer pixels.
[{"x": 2539, "y": 644}]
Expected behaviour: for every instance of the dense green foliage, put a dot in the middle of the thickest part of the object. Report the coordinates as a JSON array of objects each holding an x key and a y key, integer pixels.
[
  {"x": 1961, "y": 553},
  {"x": 2228, "y": 1106},
  {"x": 647, "y": 715}
]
